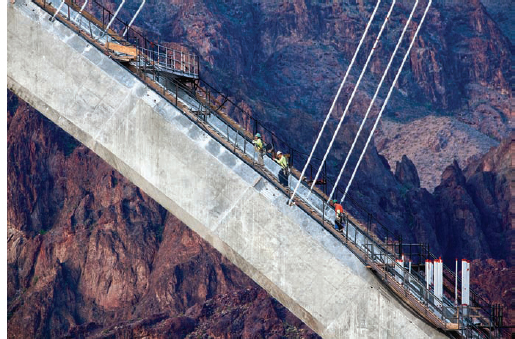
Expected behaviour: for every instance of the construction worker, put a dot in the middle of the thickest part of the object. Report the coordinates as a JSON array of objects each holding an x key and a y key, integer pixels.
[
  {"x": 259, "y": 146},
  {"x": 284, "y": 172},
  {"x": 338, "y": 218}
]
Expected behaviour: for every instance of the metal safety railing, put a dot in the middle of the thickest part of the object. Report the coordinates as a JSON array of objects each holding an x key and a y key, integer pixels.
[
  {"x": 169, "y": 60},
  {"x": 106, "y": 27},
  {"x": 373, "y": 243}
]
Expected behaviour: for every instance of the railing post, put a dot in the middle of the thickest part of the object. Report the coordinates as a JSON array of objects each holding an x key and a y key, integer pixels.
[
  {"x": 323, "y": 212},
  {"x": 182, "y": 62},
  {"x": 346, "y": 229},
  {"x": 325, "y": 178}
]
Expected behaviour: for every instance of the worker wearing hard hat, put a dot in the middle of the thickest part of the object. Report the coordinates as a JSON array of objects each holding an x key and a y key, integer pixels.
[
  {"x": 259, "y": 146},
  {"x": 281, "y": 159},
  {"x": 339, "y": 216}
]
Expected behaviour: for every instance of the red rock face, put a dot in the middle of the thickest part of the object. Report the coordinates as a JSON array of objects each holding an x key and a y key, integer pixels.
[
  {"x": 474, "y": 207},
  {"x": 495, "y": 280},
  {"x": 91, "y": 254},
  {"x": 285, "y": 60}
]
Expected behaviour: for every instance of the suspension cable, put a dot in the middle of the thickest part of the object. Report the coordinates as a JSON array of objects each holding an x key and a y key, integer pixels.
[
  {"x": 335, "y": 99},
  {"x": 57, "y": 10},
  {"x": 374, "y": 98},
  {"x": 133, "y": 18},
  {"x": 387, "y": 98},
  {"x": 114, "y": 17},
  {"x": 354, "y": 91},
  {"x": 81, "y": 9}
]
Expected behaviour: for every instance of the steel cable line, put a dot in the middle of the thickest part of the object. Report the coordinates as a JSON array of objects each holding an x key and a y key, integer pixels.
[
  {"x": 133, "y": 18},
  {"x": 57, "y": 10},
  {"x": 374, "y": 98},
  {"x": 335, "y": 99},
  {"x": 387, "y": 98},
  {"x": 81, "y": 9},
  {"x": 354, "y": 91}
]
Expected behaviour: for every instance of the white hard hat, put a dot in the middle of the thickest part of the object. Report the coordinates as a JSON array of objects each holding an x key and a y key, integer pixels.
[{"x": 279, "y": 153}]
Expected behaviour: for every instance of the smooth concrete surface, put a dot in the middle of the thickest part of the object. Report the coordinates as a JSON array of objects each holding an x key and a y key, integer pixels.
[{"x": 212, "y": 191}]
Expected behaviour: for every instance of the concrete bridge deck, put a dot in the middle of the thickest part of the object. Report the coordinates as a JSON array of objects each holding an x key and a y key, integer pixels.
[{"x": 228, "y": 203}]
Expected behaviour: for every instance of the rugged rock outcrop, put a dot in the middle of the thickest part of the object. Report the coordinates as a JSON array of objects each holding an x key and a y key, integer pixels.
[
  {"x": 406, "y": 173},
  {"x": 285, "y": 60},
  {"x": 90, "y": 254},
  {"x": 473, "y": 207},
  {"x": 430, "y": 142},
  {"x": 456, "y": 208},
  {"x": 494, "y": 278}
]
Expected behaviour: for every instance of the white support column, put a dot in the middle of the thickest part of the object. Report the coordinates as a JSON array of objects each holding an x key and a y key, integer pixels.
[
  {"x": 465, "y": 285},
  {"x": 438, "y": 288},
  {"x": 409, "y": 271},
  {"x": 399, "y": 268},
  {"x": 429, "y": 274}
]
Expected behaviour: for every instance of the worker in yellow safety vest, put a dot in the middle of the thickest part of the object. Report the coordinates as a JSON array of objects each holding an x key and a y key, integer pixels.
[
  {"x": 281, "y": 159},
  {"x": 259, "y": 146}
]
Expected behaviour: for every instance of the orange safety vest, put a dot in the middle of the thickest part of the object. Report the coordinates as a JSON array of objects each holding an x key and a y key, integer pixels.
[{"x": 338, "y": 209}]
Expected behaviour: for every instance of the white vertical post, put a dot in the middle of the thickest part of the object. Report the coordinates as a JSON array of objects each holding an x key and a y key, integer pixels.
[
  {"x": 438, "y": 288},
  {"x": 399, "y": 268},
  {"x": 429, "y": 274},
  {"x": 465, "y": 282},
  {"x": 409, "y": 271}
]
